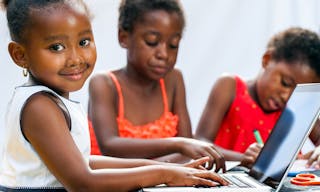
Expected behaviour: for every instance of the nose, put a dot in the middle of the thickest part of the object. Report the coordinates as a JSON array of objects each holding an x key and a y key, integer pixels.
[
  {"x": 162, "y": 51},
  {"x": 74, "y": 57}
]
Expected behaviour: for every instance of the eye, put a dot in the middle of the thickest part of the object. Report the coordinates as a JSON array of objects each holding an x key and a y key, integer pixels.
[
  {"x": 56, "y": 47},
  {"x": 174, "y": 43},
  {"x": 151, "y": 39},
  {"x": 152, "y": 43},
  {"x": 286, "y": 83},
  {"x": 84, "y": 42},
  {"x": 174, "y": 46}
]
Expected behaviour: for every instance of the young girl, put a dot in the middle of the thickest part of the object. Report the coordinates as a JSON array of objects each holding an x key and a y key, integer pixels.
[
  {"x": 236, "y": 108},
  {"x": 140, "y": 109},
  {"x": 47, "y": 143}
]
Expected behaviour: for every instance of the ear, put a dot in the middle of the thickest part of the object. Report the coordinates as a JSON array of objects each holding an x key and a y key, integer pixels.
[
  {"x": 18, "y": 55},
  {"x": 123, "y": 38},
  {"x": 266, "y": 58}
]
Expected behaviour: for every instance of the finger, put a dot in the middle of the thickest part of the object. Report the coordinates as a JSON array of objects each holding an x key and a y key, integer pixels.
[
  {"x": 257, "y": 148},
  {"x": 212, "y": 176},
  {"x": 217, "y": 158},
  {"x": 317, "y": 165},
  {"x": 220, "y": 162},
  {"x": 201, "y": 167},
  {"x": 210, "y": 163},
  {"x": 312, "y": 159},
  {"x": 198, "y": 162},
  {"x": 205, "y": 182},
  {"x": 307, "y": 155}
]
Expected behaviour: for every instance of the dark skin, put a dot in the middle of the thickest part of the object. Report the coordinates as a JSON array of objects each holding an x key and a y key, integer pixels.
[
  {"x": 313, "y": 156},
  {"x": 152, "y": 50},
  {"x": 60, "y": 53},
  {"x": 271, "y": 90}
]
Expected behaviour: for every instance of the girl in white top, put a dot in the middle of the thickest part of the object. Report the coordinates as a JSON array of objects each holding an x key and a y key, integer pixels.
[{"x": 47, "y": 140}]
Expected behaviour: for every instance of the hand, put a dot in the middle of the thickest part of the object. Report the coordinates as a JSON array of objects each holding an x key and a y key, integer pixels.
[
  {"x": 184, "y": 176},
  {"x": 313, "y": 158},
  {"x": 196, "y": 149},
  {"x": 251, "y": 154},
  {"x": 198, "y": 163}
]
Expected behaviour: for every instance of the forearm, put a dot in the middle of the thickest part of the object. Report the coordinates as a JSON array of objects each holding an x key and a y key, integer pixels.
[
  {"x": 230, "y": 155},
  {"x": 174, "y": 158},
  {"x": 134, "y": 178},
  {"x": 103, "y": 162},
  {"x": 119, "y": 179},
  {"x": 315, "y": 134},
  {"x": 141, "y": 148}
]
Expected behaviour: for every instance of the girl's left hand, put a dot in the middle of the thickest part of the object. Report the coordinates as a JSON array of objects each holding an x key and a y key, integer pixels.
[
  {"x": 198, "y": 163},
  {"x": 197, "y": 149},
  {"x": 313, "y": 158}
]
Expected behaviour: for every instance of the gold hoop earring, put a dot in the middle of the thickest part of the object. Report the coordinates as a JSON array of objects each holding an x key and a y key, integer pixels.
[{"x": 25, "y": 72}]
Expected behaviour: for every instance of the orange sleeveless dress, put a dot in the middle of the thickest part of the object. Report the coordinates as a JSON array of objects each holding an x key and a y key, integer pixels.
[{"x": 165, "y": 126}]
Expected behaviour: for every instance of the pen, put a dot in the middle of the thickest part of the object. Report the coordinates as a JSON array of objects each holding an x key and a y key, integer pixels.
[{"x": 258, "y": 136}]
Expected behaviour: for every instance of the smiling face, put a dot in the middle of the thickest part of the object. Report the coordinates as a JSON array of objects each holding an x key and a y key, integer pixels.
[
  {"x": 152, "y": 46},
  {"x": 60, "y": 51},
  {"x": 276, "y": 83}
]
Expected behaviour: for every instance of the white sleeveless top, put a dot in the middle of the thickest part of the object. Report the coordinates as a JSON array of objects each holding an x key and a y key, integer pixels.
[{"x": 21, "y": 167}]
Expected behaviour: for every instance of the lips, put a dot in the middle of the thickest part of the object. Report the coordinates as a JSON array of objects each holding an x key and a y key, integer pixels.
[
  {"x": 160, "y": 70},
  {"x": 274, "y": 104},
  {"x": 74, "y": 75}
]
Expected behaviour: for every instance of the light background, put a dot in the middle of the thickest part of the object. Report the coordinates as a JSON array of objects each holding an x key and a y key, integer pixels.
[{"x": 220, "y": 36}]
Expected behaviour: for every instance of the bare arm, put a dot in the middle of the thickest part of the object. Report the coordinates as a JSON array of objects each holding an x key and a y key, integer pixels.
[
  {"x": 103, "y": 111},
  {"x": 191, "y": 147},
  {"x": 48, "y": 133},
  {"x": 219, "y": 101},
  {"x": 315, "y": 134}
]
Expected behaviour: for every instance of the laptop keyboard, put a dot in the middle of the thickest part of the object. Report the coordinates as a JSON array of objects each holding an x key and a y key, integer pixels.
[{"x": 236, "y": 181}]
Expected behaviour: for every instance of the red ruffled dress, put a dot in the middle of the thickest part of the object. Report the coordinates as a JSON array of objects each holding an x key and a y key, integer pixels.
[
  {"x": 165, "y": 126},
  {"x": 244, "y": 115}
]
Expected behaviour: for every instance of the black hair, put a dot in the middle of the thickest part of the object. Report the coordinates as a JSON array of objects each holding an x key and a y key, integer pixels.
[
  {"x": 131, "y": 11},
  {"x": 19, "y": 11},
  {"x": 296, "y": 45}
]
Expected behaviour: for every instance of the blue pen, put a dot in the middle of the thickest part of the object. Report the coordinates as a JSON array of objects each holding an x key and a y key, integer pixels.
[{"x": 294, "y": 173}]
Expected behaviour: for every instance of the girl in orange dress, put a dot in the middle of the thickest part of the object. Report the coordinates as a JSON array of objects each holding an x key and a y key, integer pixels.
[{"x": 140, "y": 110}]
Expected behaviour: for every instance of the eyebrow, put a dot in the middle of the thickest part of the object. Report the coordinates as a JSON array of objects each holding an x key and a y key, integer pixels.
[
  {"x": 88, "y": 31},
  {"x": 64, "y": 37}
]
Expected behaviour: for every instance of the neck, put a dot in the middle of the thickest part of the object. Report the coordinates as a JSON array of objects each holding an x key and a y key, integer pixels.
[
  {"x": 252, "y": 89},
  {"x": 137, "y": 79},
  {"x": 33, "y": 81}
]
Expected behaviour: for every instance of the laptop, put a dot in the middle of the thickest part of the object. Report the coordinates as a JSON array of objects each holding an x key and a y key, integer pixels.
[{"x": 280, "y": 150}]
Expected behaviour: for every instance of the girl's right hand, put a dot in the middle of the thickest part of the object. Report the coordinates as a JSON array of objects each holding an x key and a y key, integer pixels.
[
  {"x": 185, "y": 176},
  {"x": 250, "y": 155},
  {"x": 196, "y": 149}
]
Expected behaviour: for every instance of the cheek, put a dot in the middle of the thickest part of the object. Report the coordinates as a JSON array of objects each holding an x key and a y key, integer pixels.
[
  {"x": 89, "y": 56},
  {"x": 173, "y": 57}
]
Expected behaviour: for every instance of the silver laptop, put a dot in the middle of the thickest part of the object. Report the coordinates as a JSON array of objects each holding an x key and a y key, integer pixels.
[{"x": 280, "y": 150}]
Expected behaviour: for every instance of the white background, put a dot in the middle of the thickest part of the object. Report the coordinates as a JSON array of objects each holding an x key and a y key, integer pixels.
[{"x": 220, "y": 36}]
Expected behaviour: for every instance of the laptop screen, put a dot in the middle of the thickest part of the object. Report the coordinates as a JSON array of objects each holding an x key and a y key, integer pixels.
[{"x": 288, "y": 135}]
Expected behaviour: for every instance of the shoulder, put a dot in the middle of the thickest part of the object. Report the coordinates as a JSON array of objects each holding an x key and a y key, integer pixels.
[
  {"x": 224, "y": 88},
  {"x": 100, "y": 82},
  {"x": 34, "y": 104},
  {"x": 99, "y": 78},
  {"x": 174, "y": 77},
  {"x": 228, "y": 81}
]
